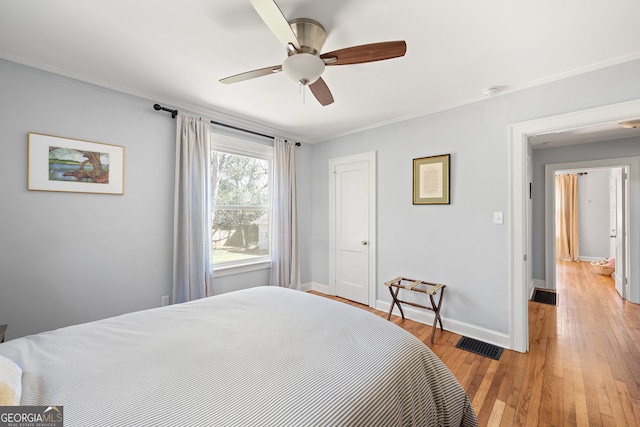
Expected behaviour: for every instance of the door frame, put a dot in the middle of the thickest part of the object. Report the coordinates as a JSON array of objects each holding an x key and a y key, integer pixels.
[
  {"x": 549, "y": 210},
  {"x": 369, "y": 157},
  {"x": 518, "y": 236}
]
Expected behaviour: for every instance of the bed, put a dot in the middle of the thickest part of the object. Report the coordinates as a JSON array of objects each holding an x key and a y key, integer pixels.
[{"x": 264, "y": 356}]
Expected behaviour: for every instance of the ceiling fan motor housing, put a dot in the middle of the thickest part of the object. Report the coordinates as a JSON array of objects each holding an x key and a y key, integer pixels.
[{"x": 310, "y": 34}]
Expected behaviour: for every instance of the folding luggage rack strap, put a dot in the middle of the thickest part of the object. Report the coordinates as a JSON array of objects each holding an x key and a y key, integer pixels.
[{"x": 428, "y": 288}]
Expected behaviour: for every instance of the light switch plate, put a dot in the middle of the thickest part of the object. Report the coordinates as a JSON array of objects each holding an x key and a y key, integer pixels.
[{"x": 498, "y": 218}]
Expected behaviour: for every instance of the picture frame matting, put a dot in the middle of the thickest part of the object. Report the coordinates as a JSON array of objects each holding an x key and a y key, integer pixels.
[
  {"x": 72, "y": 165},
  {"x": 431, "y": 177}
]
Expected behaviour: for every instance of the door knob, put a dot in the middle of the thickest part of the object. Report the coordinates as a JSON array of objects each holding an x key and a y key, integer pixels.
[{"x": 364, "y": 243}]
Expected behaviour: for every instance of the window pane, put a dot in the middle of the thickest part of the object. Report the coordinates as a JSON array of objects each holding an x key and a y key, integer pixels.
[
  {"x": 239, "y": 180},
  {"x": 239, "y": 234},
  {"x": 240, "y": 197}
]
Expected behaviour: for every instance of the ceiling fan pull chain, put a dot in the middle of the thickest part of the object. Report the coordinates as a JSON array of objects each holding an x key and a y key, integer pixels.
[{"x": 302, "y": 91}]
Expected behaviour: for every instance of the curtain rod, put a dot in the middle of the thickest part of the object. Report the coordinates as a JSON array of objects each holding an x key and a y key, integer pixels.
[
  {"x": 577, "y": 173},
  {"x": 174, "y": 113}
]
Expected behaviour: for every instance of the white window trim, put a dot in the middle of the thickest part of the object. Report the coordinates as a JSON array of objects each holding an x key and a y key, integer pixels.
[
  {"x": 231, "y": 145},
  {"x": 229, "y": 269}
]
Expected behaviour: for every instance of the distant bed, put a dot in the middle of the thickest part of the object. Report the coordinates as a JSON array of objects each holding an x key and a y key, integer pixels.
[{"x": 257, "y": 357}]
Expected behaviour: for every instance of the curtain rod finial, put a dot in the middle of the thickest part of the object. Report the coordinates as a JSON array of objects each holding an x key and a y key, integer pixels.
[{"x": 159, "y": 107}]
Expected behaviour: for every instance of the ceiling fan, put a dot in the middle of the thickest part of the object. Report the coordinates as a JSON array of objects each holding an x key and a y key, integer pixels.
[{"x": 304, "y": 39}]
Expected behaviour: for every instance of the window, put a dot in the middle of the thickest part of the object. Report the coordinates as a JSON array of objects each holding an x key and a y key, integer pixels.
[{"x": 240, "y": 188}]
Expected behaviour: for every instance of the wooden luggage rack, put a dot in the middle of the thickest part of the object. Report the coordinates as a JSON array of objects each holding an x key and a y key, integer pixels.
[{"x": 430, "y": 289}]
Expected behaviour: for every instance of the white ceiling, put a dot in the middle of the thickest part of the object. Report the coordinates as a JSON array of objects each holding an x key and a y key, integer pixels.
[
  {"x": 594, "y": 133},
  {"x": 174, "y": 52}
]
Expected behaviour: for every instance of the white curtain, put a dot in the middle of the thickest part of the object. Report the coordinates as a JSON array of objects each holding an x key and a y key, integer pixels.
[
  {"x": 192, "y": 270},
  {"x": 284, "y": 222}
]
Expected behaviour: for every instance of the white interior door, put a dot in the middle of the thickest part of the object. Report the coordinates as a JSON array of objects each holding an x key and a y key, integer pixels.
[
  {"x": 612, "y": 214},
  {"x": 529, "y": 222},
  {"x": 618, "y": 232},
  {"x": 352, "y": 230}
]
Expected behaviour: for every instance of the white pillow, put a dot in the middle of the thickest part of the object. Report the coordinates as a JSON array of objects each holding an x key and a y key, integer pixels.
[{"x": 10, "y": 382}]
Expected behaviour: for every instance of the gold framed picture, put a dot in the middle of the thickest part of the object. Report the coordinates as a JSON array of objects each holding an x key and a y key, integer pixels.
[
  {"x": 431, "y": 180},
  {"x": 72, "y": 165}
]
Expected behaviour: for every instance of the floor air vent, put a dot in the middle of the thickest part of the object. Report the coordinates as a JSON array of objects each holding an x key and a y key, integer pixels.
[
  {"x": 478, "y": 347},
  {"x": 544, "y": 297}
]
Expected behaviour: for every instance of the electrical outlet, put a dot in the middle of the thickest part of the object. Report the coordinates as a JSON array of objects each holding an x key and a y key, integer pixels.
[{"x": 164, "y": 300}]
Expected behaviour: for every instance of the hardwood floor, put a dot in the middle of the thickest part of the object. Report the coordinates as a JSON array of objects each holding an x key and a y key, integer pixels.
[{"x": 582, "y": 368}]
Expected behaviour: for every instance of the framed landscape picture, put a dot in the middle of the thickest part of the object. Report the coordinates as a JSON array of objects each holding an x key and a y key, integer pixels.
[
  {"x": 431, "y": 180},
  {"x": 63, "y": 164}
]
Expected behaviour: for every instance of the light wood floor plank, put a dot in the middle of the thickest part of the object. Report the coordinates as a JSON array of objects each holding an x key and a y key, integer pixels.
[
  {"x": 496, "y": 413},
  {"x": 582, "y": 368}
]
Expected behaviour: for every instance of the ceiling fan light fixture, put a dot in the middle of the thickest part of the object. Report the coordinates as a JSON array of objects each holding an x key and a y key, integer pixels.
[
  {"x": 303, "y": 68},
  {"x": 630, "y": 124}
]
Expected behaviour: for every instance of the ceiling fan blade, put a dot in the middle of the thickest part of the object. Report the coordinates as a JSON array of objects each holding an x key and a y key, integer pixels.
[
  {"x": 275, "y": 20},
  {"x": 251, "y": 74},
  {"x": 366, "y": 53},
  {"x": 321, "y": 91}
]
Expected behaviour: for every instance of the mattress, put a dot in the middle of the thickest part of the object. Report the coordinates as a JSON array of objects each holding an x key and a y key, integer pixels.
[{"x": 264, "y": 356}]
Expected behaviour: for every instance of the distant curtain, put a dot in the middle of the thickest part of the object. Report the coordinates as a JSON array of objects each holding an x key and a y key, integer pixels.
[
  {"x": 284, "y": 221},
  {"x": 567, "y": 217},
  {"x": 192, "y": 270}
]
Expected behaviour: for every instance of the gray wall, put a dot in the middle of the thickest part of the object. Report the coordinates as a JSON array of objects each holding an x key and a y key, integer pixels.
[
  {"x": 593, "y": 214},
  {"x": 620, "y": 148},
  {"x": 67, "y": 258},
  {"x": 456, "y": 244}
]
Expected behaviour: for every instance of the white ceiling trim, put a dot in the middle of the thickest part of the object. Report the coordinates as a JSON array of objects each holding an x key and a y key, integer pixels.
[
  {"x": 258, "y": 127},
  {"x": 504, "y": 91},
  {"x": 169, "y": 103}
]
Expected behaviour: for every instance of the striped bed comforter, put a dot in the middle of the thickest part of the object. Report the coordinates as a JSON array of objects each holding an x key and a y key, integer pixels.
[{"x": 260, "y": 357}]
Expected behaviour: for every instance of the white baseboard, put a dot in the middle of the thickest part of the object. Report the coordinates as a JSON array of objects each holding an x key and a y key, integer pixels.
[
  {"x": 460, "y": 328},
  {"x": 536, "y": 283},
  {"x": 426, "y": 317},
  {"x": 314, "y": 286}
]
